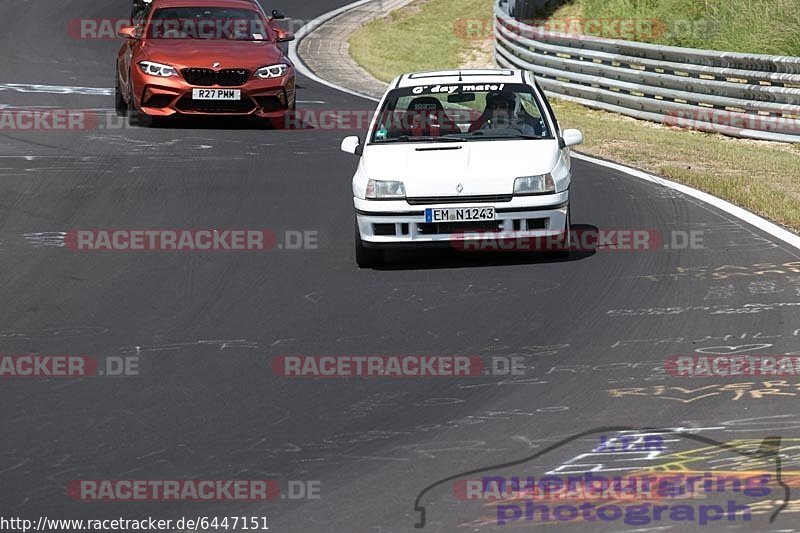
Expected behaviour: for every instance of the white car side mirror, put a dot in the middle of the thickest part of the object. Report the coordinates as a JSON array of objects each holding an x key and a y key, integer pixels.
[
  {"x": 352, "y": 145},
  {"x": 572, "y": 138}
]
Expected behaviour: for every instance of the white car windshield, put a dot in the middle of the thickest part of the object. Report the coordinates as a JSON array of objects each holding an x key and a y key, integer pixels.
[{"x": 461, "y": 112}]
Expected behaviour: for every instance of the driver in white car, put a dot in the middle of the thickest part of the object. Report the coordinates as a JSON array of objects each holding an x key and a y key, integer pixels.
[{"x": 503, "y": 111}]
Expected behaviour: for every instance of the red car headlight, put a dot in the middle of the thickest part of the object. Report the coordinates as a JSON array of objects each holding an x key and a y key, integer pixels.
[
  {"x": 272, "y": 71},
  {"x": 157, "y": 69}
]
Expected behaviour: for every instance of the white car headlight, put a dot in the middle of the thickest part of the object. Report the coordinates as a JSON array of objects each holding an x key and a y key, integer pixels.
[
  {"x": 384, "y": 190},
  {"x": 535, "y": 184},
  {"x": 157, "y": 69},
  {"x": 272, "y": 71}
]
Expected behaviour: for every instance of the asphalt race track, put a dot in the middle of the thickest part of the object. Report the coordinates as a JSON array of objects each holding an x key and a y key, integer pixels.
[{"x": 593, "y": 330}]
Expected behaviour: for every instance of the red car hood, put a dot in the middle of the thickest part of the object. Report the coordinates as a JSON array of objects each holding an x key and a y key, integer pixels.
[{"x": 201, "y": 53}]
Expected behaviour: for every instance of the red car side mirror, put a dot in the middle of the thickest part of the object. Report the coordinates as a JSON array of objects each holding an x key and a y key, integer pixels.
[
  {"x": 284, "y": 36},
  {"x": 130, "y": 32}
]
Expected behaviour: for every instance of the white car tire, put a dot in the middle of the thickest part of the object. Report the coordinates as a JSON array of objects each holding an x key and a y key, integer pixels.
[
  {"x": 366, "y": 257},
  {"x": 564, "y": 252}
]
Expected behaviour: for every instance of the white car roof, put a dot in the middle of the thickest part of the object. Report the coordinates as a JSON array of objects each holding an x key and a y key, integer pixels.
[{"x": 476, "y": 76}]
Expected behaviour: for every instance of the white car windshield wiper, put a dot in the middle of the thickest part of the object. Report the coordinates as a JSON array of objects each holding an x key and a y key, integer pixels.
[
  {"x": 408, "y": 138},
  {"x": 498, "y": 135}
]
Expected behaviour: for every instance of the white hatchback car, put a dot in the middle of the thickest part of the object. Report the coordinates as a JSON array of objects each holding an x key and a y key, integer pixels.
[{"x": 452, "y": 154}]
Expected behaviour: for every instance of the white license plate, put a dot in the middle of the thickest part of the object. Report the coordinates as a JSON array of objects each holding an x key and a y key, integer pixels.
[
  {"x": 216, "y": 94},
  {"x": 459, "y": 214}
]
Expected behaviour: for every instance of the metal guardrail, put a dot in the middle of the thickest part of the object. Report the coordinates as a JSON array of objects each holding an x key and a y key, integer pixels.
[{"x": 743, "y": 95}]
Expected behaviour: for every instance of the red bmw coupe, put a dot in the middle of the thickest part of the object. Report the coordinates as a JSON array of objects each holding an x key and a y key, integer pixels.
[{"x": 204, "y": 57}]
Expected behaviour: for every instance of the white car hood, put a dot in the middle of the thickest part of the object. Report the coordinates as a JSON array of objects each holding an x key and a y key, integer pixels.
[{"x": 479, "y": 167}]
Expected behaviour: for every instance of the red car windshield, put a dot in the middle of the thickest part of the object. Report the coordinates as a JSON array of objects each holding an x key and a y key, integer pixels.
[{"x": 208, "y": 23}]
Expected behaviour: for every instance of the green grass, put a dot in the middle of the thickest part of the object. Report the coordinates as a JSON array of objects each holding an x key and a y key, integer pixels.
[
  {"x": 759, "y": 176},
  {"x": 756, "y": 26},
  {"x": 418, "y": 38}
]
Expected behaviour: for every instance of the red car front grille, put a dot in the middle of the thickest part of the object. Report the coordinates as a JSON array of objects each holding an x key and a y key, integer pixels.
[{"x": 206, "y": 77}]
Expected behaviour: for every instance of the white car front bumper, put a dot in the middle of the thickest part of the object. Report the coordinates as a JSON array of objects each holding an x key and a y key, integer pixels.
[{"x": 383, "y": 223}]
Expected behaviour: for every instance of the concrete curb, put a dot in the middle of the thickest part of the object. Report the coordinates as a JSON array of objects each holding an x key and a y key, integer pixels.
[{"x": 325, "y": 51}]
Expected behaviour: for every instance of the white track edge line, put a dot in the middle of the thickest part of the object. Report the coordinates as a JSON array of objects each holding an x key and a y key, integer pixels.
[{"x": 723, "y": 205}]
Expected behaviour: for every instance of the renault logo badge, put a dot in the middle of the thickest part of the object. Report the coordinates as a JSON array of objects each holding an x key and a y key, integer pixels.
[
  {"x": 460, "y": 188},
  {"x": 215, "y": 65}
]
